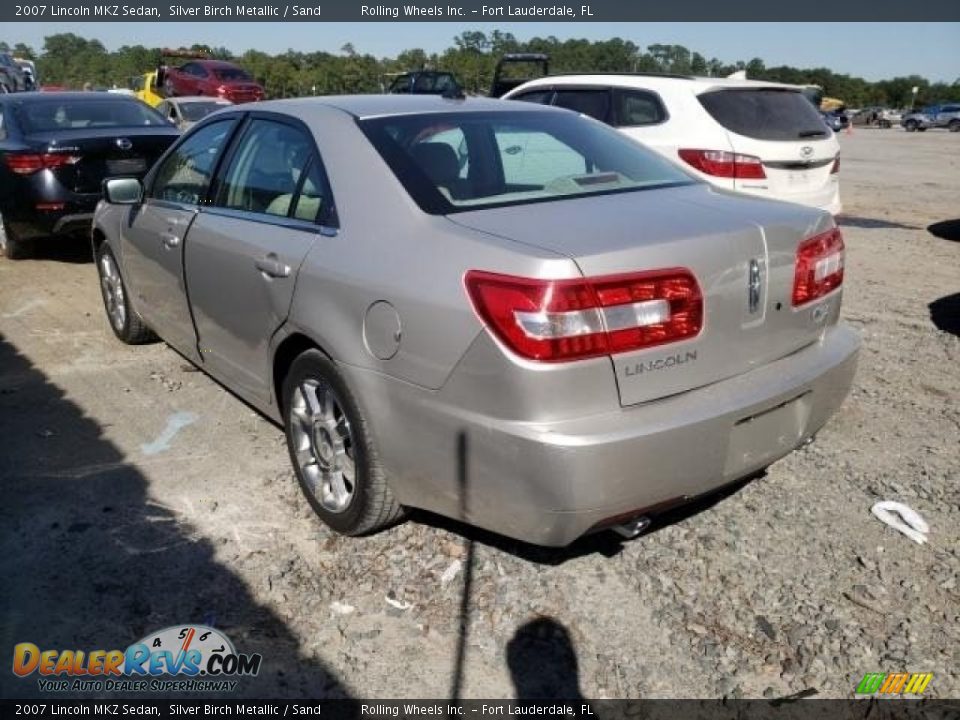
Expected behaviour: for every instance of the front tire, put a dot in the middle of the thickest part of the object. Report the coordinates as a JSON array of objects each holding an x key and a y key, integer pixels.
[
  {"x": 910, "y": 126},
  {"x": 332, "y": 450},
  {"x": 954, "y": 126},
  {"x": 12, "y": 247},
  {"x": 125, "y": 322}
]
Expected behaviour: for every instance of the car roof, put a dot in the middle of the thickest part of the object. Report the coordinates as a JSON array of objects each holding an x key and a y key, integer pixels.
[
  {"x": 367, "y": 106},
  {"x": 654, "y": 81},
  {"x": 182, "y": 99},
  {"x": 215, "y": 64},
  {"x": 87, "y": 95}
]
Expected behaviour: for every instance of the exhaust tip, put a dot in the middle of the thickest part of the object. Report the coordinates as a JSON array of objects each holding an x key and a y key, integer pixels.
[{"x": 630, "y": 530}]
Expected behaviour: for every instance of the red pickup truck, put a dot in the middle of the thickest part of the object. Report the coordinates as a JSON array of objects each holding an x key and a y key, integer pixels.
[{"x": 214, "y": 78}]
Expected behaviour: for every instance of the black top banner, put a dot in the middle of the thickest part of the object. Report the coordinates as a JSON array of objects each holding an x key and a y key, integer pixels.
[{"x": 476, "y": 11}]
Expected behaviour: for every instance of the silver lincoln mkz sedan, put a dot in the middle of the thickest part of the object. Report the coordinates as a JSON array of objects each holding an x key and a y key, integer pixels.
[{"x": 509, "y": 314}]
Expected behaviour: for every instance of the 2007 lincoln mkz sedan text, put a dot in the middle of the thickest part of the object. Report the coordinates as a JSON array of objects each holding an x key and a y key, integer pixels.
[{"x": 513, "y": 315}]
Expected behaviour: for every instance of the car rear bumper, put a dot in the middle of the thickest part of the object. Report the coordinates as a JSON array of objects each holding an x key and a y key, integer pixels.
[
  {"x": 549, "y": 483},
  {"x": 74, "y": 218}
]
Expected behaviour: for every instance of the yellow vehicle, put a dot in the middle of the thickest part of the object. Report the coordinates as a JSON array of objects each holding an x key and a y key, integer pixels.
[{"x": 145, "y": 88}]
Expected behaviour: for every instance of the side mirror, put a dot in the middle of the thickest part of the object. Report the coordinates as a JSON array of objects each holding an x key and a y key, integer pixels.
[{"x": 122, "y": 191}]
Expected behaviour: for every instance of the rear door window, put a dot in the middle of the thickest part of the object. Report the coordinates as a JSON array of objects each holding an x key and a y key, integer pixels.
[
  {"x": 595, "y": 103},
  {"x": 633, "y": 108},
  {"x": 274, "y": 170},
  {"x": 764, "y": 113},
  {"x": 264, "y": 171}
]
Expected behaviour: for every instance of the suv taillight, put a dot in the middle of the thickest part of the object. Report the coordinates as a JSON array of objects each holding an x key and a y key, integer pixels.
[
  {"x": 721, "y": 163},
  {"x": 819, "y": 267},
  {"x": 559, "y": 320},
  {"x": 29, "y": 163}
]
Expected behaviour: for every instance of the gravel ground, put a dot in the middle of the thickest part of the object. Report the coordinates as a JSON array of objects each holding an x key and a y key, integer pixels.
[{"x": 112, "y": 528}]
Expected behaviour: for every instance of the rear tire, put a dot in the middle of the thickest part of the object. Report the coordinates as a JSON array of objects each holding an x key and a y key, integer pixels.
[
  {"x": 910, "y": 126},
  {"x": 884, "y": 124},
  {"x": 125, "y": 322},
  {"x": 332, "y": 450},
  {"x": 954, "y": 126},
  {"x": 12, "y": 247}
]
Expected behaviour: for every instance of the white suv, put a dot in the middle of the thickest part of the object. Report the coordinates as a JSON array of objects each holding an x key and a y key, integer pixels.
[{"x": 754, "y": 137}]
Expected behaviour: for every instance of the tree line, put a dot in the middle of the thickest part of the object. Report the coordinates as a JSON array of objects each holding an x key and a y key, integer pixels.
[{"x": 70, "y": 60}]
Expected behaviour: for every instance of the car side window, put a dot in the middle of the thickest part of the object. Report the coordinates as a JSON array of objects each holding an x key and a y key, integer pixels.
[
  {"x": 264, "y": 171},
  {"x": 314, "y": 200},
  {"x": 541, "y": 97},
  {"x": 637, "y": 107},
  {"x": 185, "y": 174},
  {"x": 594, "y": 103}
]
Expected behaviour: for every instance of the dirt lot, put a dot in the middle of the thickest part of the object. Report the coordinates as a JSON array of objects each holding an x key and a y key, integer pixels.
[{"x": 138, "y": 494}]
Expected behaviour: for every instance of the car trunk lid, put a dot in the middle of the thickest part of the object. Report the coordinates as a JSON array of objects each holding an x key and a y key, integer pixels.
[
  {"x": 741, "y": 251},
  {"x": 126, "y": 151}
]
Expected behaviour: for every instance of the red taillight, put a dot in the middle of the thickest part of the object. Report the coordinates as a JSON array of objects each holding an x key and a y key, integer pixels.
[
  {"x": 819, "y": 267},
  {"x": 29, "y": 163},
  {"x": 836, "y": 165},
  {"x": 721, "y": 163},
  {"x": 557, "y": 320}
]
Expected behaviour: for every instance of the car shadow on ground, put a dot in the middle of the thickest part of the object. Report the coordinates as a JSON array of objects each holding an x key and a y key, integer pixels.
[
  {"x": 90, "y": 561},
  {"x": 945, "y": 314},
  {"x": 946, "y": 230},
  {"x": 872, "y": 223},
  {"x": 66, "y": 249}
]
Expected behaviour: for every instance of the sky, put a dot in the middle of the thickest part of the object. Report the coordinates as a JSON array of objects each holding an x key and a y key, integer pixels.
[{"x": 874, "y": 51}]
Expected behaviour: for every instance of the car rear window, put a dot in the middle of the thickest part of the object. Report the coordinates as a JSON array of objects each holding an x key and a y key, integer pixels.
[
  {"x": 196, "y": 111},
  {"x": 764, "y": 113},
  {"x": 231, "y": 74},
  {"x": 452, "y": 162},
  {"x": 74, "y": 114}
]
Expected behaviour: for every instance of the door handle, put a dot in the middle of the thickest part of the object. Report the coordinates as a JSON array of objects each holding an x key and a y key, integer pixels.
[
  {"x": 271, "y": 265},
  {"x": 170, "y": 240}
]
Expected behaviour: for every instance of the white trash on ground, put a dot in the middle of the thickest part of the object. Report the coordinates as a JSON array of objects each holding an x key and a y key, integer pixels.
[{"x": 903, "y": 518}]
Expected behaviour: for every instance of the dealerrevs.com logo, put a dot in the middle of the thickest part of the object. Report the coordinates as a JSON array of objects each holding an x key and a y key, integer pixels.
[{"x": 179, "y": 658}]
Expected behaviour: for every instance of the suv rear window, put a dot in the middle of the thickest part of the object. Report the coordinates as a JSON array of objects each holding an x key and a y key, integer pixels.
[{"x": 764, "y": 113}]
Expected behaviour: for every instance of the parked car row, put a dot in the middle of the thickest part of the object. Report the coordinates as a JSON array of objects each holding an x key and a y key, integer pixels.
[{"x": 535, "y": 292}]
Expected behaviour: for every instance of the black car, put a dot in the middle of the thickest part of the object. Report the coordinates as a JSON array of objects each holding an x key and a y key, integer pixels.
[
  {"x": 425, "y": 82},
  {"x": 55, "y": 151}
]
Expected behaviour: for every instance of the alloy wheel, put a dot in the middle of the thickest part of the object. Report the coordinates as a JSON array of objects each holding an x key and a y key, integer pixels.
[
  {"x": 323, "y": 444},
  {"x": 112, "y": 288}
]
